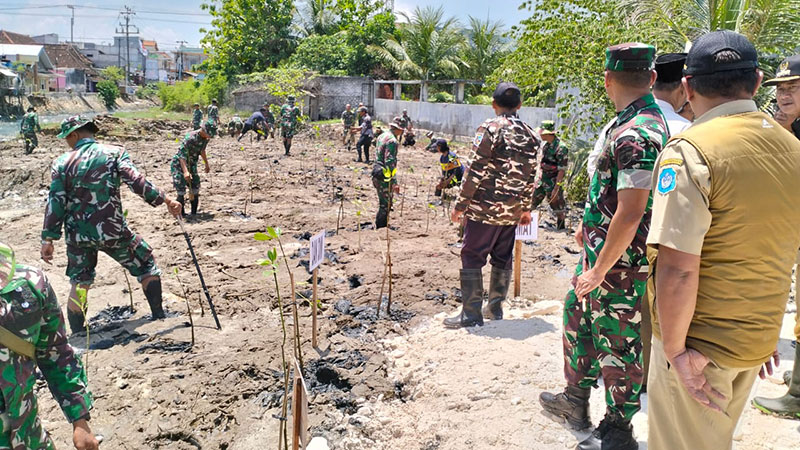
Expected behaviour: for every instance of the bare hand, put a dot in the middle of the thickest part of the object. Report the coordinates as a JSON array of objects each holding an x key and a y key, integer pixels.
[
  {"x": 174, "y": 207},
  {"x": 525, "y": 218},
  {"x": 587, "y": 282},
  {"x": 456, "y": 215},
  {"x": 82, "y": 436},
  {"x": 689, "y": 366},
  {"x": 47, "y": 252},
  {"x": 767, "y": 368},
  {"x": 187, "y": 176},
  {"x": 579, "y": 236},
  {"x": 396, "y": 189}
]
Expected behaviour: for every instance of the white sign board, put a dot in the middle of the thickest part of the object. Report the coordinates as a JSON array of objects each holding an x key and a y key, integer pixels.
[
  {"x": 529, "y": 232},
  {"x": 317, "y": 253}
]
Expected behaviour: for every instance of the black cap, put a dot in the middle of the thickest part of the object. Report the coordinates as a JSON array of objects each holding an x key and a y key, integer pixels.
[
  {"x": 507, "y": 89},
  {"x": 669, "y": 67},
  {"x": 789, "y": 70},
  {"x": 700, "y": 60},
  {"x": 441, "y": 144}
]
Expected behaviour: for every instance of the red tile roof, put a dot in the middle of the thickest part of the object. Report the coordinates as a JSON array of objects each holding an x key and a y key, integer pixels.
[{"x": 8, "y": 37}]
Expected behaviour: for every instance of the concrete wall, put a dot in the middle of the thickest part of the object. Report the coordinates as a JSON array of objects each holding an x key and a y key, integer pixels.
[
  {"x": 453, "y": 119},
  {"x": 334, "y": 93}
]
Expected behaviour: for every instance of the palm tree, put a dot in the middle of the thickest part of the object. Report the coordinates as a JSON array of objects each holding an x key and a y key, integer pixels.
[
  {"x": 484, "y": 48},
  {"x": 317, "y": 17},
  {"x": 428, "y": 46}
]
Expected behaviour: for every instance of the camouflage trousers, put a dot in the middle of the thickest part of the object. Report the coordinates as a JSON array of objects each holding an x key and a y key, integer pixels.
[
  {"x": 384, "y": 200},
  {"x": 179, "y": 182},
  {"x": 31, "y": 141},
  {"x": 288, "y": 132},
  {"x": 134, "y": 254},
  {"x": 544, "y": 190},
  {"x": 30, "y": 436},
  {"x": 602, "y": 338},
  {"x": 195, "y": 125}
]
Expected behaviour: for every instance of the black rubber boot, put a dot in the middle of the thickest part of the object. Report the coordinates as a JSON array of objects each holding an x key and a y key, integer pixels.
[
  {"x": 471, "y": 300},
  {"x": 498, "y": 289},
  {"x": 182, "y": 201},
  {"x": 613, "y": 433},
  {"x": 195, "y": 202},
  {"x": 570, "y": 406},
  {"x": 561, "y": 222},
  {"x": 77, "y": 322},
  {"x": 789, "y": 404},
  {"x": 286, "y": 146},
  {"x": 153, "y": 294}
]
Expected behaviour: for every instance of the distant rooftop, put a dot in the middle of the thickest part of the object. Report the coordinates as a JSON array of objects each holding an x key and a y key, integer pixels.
[{"x": 8, "y": 37}]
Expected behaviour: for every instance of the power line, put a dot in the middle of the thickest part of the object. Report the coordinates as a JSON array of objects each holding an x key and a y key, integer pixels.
[
  {"x": 143, "y": 19},
  {"x": 161, "y": 12}
]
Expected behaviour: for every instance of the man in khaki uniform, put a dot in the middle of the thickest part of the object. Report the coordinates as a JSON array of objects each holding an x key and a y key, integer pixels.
[{"x": 725, "y": 209}]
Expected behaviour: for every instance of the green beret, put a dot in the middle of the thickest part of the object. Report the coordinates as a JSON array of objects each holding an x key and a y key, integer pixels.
[{"x": 630, "y": 56}]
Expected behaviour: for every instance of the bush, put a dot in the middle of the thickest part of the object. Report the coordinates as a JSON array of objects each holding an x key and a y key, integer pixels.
[
  {"x": 442, "y": 97},
  {"x": 108, "y": 92},
  {"x": 148, "y": 91},
  {"x": 478, "y": 100},
  {"x": 183, "y": 94}
]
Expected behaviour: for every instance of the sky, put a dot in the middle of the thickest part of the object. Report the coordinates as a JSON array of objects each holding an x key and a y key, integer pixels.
[{"x": 174, "y": 20}]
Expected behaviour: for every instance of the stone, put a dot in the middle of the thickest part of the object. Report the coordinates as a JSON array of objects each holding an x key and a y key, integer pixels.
[{"x": 318, "y": 443}]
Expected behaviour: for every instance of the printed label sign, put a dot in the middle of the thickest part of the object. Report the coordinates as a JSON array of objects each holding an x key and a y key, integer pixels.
[
  {"x": 317, "y": 253},
  {"x": 529, "y": 232}
]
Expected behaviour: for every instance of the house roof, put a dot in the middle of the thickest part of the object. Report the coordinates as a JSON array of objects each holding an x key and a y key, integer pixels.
[
  {"x": 66, "y": 56},
  {"x": 28, "y": 53},
  {"x": 8, "y": 37},
  {"x": 150, "y": 44}
]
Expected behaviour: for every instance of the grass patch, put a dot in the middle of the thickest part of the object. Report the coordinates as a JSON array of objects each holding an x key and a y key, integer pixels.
[{"x": 153, "y": 113}]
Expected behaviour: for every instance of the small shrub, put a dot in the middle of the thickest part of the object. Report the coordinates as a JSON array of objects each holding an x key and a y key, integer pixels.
[
  {"x": 148, "y": 91},
  {"x": 478, "y": 100},
  {"x": 442, "y": 97},
  {"x": 108, "y": 92}
]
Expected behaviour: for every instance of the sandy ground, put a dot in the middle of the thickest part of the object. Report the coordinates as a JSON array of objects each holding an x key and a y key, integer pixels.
[{"x": 396, "y": 382}]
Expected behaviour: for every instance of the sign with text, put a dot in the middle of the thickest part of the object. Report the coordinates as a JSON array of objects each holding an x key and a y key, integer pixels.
[
  {"x": 529, "y": 232},
  {"x": 317, "y": 253}
]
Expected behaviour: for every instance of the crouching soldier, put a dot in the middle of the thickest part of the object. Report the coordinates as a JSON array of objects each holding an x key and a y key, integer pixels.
[{"x": 452, "y": 169}]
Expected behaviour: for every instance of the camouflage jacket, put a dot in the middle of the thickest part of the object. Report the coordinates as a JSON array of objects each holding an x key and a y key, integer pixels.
[
  {"x": 290, "y": 114},
  {"x": 213, "y": 113},
  {"x": 30, "y": 123},
  {"x": 269, "y": 117},
  {"x": 501, "y": 179},
  {"x": 405, "y": 121},
  {"x": 197, "y": 117},
  {"x": 193, "y": 144},
  {"x": 349, "y": 118},
  {"x": 555, "y": 157},
  {"x": 85, "y": 194},
  {"x": 627, "y": 160},
  {"x": 386, "y": 150},
  {"x": 29, "y": 308}
]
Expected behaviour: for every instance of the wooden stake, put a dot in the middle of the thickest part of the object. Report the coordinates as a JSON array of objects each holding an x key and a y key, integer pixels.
[
  {"x": 314, "y": 309},
  {"x": 517, "y": 267},
  {"x": 296, "y": 416}
]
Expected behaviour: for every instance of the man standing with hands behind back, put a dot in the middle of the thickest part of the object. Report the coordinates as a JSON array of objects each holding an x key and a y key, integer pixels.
[{"x": 496, "y": 195}]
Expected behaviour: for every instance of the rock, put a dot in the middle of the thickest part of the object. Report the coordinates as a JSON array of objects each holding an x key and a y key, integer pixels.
[
  {"x": 544, "y": 308},
  {"x": 524, "y": 381},
  {"x": 343, "y": 306},
  {"x": 516, "y": 401}
]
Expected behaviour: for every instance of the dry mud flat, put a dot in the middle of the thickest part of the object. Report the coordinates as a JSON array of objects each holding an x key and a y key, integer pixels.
[{"x": 400, "y": 381}]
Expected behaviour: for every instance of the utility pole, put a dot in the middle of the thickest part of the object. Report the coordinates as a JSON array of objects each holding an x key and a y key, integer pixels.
[
  {"x": 72, "y": 25},
  {"x": 126, "y": 29},
  {"x": 180, "y": 57}
]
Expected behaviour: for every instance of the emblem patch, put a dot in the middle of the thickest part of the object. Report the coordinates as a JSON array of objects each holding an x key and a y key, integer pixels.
[
  {"x": 478, "y": 139},
  {"x": 666, "y": 181}
]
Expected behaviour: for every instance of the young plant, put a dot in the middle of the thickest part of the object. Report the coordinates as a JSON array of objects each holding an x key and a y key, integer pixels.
[
  {"x": 360, "y": 210},
  {"x": 186, "y": 298},
  {"x": 431, "y": 208},
  {"x": 83, "y": 303},
  {"x": 388, "y": 177}
]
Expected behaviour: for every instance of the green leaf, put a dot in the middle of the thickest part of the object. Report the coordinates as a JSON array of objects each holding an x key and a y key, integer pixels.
[
  {"x": 273, "y": 232},
  {"x": 262, "y": 237},
  {"x": 273, "y": 255},
  {"x": 264, "y": 262}
]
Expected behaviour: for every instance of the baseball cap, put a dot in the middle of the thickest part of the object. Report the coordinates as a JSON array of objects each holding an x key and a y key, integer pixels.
[
  {"x": 441, "y": 144},
  {"x": 701, "y": 58},
  {"x": 73, "y": 123},
  {"x": 630, "y": 56},
  {"x": 669, "y": 67},
  {"x": 506, "y": 89},
  {"x": 789, "y": 70}
]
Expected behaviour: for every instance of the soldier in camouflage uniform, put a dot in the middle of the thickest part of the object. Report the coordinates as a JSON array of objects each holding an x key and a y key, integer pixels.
[
  {"x": 495, "y": 196},
  {"x": 602, "y": 313},
  {"x": 386, "y": 158},
  {"x": 235, "y": 126},
  {"x": 85, "y": 200},
  {"x": 184, "y": 164},
  {"x": 290, "y": 116},
  {"x": 269, "y": 119},
  {"x": 197, "y": 117},
  {"x": 553, "y": 166},
  {"x": 348, "y": 120},
  {"x": 213, "y": 112},
  {"x": 35, "y": 338},
  {"x": 29, "y": 126}
]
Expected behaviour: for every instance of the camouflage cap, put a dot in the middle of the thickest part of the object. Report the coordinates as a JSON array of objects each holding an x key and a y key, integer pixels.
[
  {"x": 789, "y": 70},
  {"x": 547, "y": 127},
  {"x": 7, "y": 265},
  {"x": 290, "y": 98},
  {"x": 397, "y": 122},
  {"x": 630, "y": 56},
  {"x": 210, "y": 127},
  {"x": 73, "y": 123}
]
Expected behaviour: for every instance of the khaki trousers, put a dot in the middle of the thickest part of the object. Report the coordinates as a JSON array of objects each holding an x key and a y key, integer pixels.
[{"x": 676, "y": 421}]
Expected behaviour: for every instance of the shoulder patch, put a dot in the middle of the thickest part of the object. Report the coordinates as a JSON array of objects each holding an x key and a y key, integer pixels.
[
  {"x": 478, "y": 139},
  {"x": 666, "y": 181},
  {"x": 671, "y": 162}
]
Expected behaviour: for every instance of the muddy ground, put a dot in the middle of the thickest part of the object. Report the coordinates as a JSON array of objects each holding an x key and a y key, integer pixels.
[{"x": 398, "y": 381}]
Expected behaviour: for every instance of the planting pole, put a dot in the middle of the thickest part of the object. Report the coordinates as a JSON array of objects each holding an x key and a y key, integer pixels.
[
  {"x": 517, "y": 267},
  {"x": 200, "y": 274},
  {"x": 314, "y": 309}
]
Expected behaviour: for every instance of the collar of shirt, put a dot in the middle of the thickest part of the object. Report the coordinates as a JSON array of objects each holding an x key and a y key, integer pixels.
[
  {"x": 727, "y": 109},
  {"x": 83, "y": 142},
  {"x": 631, "y": 110}
]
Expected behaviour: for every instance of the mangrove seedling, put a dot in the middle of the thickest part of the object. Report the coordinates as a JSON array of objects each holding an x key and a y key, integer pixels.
[
  {"x": 83, "y": 303},
  {"x": 186, "y": 298}
]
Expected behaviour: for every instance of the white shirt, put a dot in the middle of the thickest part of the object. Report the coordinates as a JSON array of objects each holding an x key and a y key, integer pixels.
[{"x": 675, "y": 122}]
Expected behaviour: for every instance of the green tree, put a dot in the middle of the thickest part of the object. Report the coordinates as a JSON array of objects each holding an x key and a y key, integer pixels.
[
  {"x": 326, "y": 54},
  {"x": 365, "y": 23},
  {"x": 427, "y": 47},
  {"x": 248, "y": 35},
  {"x": 108, "y": 92},
  {"x": 484, "y": 48},
  {"x": 112, "y": 73},
  {"x": 317, "y": 17}
]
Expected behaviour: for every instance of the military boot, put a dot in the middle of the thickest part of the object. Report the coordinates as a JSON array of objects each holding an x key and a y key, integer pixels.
[
  {"x": 471, "y": 300},
  {"x": 154, "y": 299},
  {"x": 77, "y": 321},
  {"x": 571, "y": 406},
  {"x": 789, "y": 404},
  {"x": 613, "y": 433},
  {"x": 195, "y": 203},
  {"x": 561, "y": 222},
  {"x": 498, "y": 289},
  {"x": 182, "y": 201}
]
